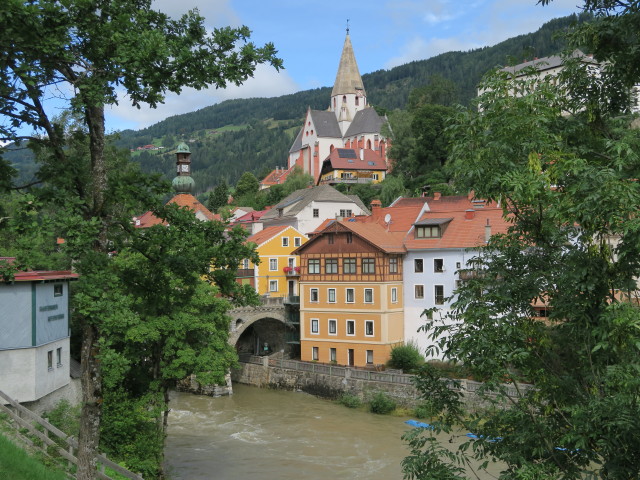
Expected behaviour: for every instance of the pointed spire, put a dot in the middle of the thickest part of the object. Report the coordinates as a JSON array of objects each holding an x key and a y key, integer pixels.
[{"x": 348, "y": 79}]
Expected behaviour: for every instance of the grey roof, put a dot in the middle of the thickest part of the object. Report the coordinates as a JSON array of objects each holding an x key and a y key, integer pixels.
[
  {"x": 433, "y": 221},
  {"x": 348, "y": 79},
  {"x": 297, "y": 143},
  {"x": 296, "y": 201},
  {"x": 358, "y": 202},
  {"x": 365, "y": 121},
  {"x": 326, "y": 124},
  {"x": 547, "y": 63}
]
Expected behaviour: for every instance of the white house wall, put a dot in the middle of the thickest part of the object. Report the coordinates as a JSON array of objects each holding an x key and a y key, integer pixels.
[{"x": 15, "y": 315}]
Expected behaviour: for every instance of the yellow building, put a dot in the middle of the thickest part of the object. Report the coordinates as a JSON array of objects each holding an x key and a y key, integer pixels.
[
  {"x": 278, "y": 272},
  {"x": 351, "y": 304},
  {"x": 352, "y": 165}
]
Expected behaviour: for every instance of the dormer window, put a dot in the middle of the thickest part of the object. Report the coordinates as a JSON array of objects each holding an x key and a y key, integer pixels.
[{"x": 428, "y": 231}]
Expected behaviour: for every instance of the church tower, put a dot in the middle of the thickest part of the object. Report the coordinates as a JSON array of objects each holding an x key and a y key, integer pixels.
[
  {"x": 183, "y": 183},
  {"x": 348, "y": 95}
]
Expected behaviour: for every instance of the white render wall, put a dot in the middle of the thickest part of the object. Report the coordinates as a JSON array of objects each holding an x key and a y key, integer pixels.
[{"x": 413, "y": 307}]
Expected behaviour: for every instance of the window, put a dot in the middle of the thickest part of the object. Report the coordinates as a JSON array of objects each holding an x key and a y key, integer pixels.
[
  {"x": 316, "y": 212},
  {"x": 59, "y": 356},
  {"x": 331, "y": 238},
  {"x": 345, "y": 212},
  {"x": 57, "y": 290},
  {"x": 418, "y": 291},
  {"x": 369, "y": 357},
  {"x": 349, "y": 237},
  {"x": 438, "y": 291},
  {"x": 368, "y": 295},
  {"x": 245, "y": 264},
  {"x": 331, "y": 265},
  {"x": 438, "y": 265},
  {"x": 331, "y": 295},
  {"x": 418, "y": 265},
  {"x": 368, "y": 328},
  {"x": 458, "y": 264},
  {"x": 351, "y": 295},
  {"x": 428, "y": 231},
  {"x": 349, "y": 265},
  {"x": 285, "y": 241},
  {"x": 297, "y": 241},
  {"x": 368, "y": 265},
  {"x": 394, "y": 295},
  {"x": 333, "y": 327},
  {"x": 50, "y": 359},
  {"x": 273, "y": 285},
  {"x": 273, "y": 264},
  {"x": 314, "y": 325},
  {"x": 332, "y": 354},
  {"x": 374, "y": 176},
  {"x": 314, "y": 353},
  {"x": 292, "y": 262},
  {"x": 314, "y": 265},
  {"x": 313, "y": 295},
  {"x": 393, "y": 265},
  {"x": 351, "y": 327}
]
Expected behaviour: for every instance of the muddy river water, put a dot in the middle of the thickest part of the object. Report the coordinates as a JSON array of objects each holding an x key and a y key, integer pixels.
[{"x": 260, "y": 434}]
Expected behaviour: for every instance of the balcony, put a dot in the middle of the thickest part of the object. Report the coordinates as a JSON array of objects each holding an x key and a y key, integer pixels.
[
  {"x": 291, "y": 300},
  {"x": 291, "y": 271},
  {"x": 245, "y": 273}
]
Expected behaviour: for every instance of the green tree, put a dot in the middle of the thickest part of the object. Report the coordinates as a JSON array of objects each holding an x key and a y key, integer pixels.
[
  {"x": 569, "y": 185},
  {"x": 219, "y": 197},
  {"x": 91, "y": 49},
  {"x": 247, "y": 185}
]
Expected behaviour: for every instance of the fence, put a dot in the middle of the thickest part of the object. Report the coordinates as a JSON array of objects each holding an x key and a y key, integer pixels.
[
  {"x": 24, "y": 418},
  {"x": 465, "y": 385}
]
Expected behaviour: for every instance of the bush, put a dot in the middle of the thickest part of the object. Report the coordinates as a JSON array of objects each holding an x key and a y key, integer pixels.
[
  {"x": 423, "y": 411},
  {"x": 406, "y": 357},
  {"x": 348, "y": 400},
  {"x": 381, "y": 404}
]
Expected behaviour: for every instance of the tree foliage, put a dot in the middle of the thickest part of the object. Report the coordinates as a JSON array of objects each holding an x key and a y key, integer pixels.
[{"x": 565, "y": 171}]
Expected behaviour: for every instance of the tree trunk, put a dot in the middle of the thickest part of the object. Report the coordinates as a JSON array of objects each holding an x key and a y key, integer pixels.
[{"x": 89, "y": 436}]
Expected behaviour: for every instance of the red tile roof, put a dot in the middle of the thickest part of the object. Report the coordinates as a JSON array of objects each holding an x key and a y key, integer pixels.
[
  {"x": 263, "y": 235},
  {"x": 349, "y": 159},
  {"x": 148, "y": 219},
  {"x": 276, "y": 177},
  {"x": 40, "y": 275}
]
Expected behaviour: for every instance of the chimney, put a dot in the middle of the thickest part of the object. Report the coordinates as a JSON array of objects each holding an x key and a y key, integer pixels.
[
  {"x": 376, "y": 206},
  {"x": 469, "y": 214},
  {"x": 487, "y": 232},
  {"x": 436, "y": 195}
]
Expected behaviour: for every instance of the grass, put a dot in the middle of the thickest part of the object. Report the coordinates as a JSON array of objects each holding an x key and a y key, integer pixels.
[{"x": 16, "y": 464}]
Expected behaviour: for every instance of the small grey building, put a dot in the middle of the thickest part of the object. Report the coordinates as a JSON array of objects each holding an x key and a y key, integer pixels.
[{"x": 34, "y": 333}]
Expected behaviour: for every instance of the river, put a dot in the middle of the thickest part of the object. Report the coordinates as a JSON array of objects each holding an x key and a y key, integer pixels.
[{"x": 261, "y": 434}]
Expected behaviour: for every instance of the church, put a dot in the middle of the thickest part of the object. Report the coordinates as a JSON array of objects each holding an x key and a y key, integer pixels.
[{"x": 348, "y": 123}]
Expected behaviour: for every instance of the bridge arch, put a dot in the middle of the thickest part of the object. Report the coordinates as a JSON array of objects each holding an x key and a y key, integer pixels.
[{"x": 251, "y": 327}]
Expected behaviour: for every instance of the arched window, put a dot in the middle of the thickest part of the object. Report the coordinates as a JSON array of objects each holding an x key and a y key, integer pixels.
[
  {"x": 357, "y": 100},
  {"x": 369, "y": 144},
  {"x": 344, "y": 99},
  {"x": 331, "y": 148}
]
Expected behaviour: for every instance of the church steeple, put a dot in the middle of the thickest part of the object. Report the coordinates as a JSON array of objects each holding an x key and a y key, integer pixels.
[
  {"x": 348, "y": 95},
  {"x": 183, "y": 183}
]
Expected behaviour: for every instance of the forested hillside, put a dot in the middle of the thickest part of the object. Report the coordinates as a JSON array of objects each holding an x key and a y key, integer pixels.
[{"x": 255, "y": 134}]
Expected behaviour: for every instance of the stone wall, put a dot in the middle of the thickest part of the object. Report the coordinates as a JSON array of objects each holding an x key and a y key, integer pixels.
[{"x": 322, "y": 385}]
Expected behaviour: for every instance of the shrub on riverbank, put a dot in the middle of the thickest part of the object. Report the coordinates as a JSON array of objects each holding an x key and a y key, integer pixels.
[
  {"x": 351, "y": 401},
  {"x": 406, "y": 357},
  {"x": 381, "y": 404}
]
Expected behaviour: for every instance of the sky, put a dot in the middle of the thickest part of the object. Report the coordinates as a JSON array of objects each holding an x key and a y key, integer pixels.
[{"x": 309, "y": 35}]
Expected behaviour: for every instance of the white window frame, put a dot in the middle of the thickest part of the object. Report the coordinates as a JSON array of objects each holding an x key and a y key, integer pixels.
[
  {"x": 333, "y": 355},
  {"x": 273, "y": 262},
  {"x": 316, "y": 213},
  {"x": 334, "y": 322},
  {"x": 314, "y": 328},
  {"x": 415, "y": 292},
  {"x": 418, "y": 265},
  {"x": 285, "y": 241},
  {"x": 368, "y": 290},
  {"x": 311, "y": 292},
  {"x": 297, "y": 241},
  {"x": 435, "y": 295},
  {"x": 59, "y": 356},
  {"x": 352, "y": 322},
  {"x": 314, "y": 353},
  {"x": 353, "y": 295},
  {"x": 329, "y": 292},
  {"x": 314, "y": 265},
  {"x": 435, "y": 265},
  {"x": 273, "y": 283},
  {"x": 369, "y": 357},
  {"x": 245, "y": 264},
  {"x": 366, "y": 325},
  {"x": 394, "y": 295}
]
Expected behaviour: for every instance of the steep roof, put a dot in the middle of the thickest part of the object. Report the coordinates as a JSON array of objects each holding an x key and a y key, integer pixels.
[
  {"x": 348, "y": 78},
  {"x": 266, "y": 234},
  {"x": 326, "y": 123},
  {"x": 366, "y": 120}
]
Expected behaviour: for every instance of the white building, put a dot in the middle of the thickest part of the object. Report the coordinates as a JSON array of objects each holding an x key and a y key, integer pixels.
[{"x": 34, "y": 334}]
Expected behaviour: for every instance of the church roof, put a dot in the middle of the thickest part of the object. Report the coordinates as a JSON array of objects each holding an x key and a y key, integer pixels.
[
  {"x": 348, "y": 78},
  {"x": 365, "y": 121},
  {"x": 326, "y": 123}
]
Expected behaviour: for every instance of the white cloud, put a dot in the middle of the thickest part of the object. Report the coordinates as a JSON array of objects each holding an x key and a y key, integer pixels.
[{"x": 265, "y": 83}]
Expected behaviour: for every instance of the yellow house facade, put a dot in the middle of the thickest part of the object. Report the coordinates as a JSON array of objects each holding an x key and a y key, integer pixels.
[{"x": 278, "y": 273}]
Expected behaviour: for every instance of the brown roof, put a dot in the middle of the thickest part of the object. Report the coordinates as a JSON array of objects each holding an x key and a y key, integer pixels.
[
  {"x": 350, "y": 159},
  {"x": 373, "y": 233},
  {"x": 148, "y": 219},
  {"x": 276, "y": 177},
  {"x": 263, "y": 235}
]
